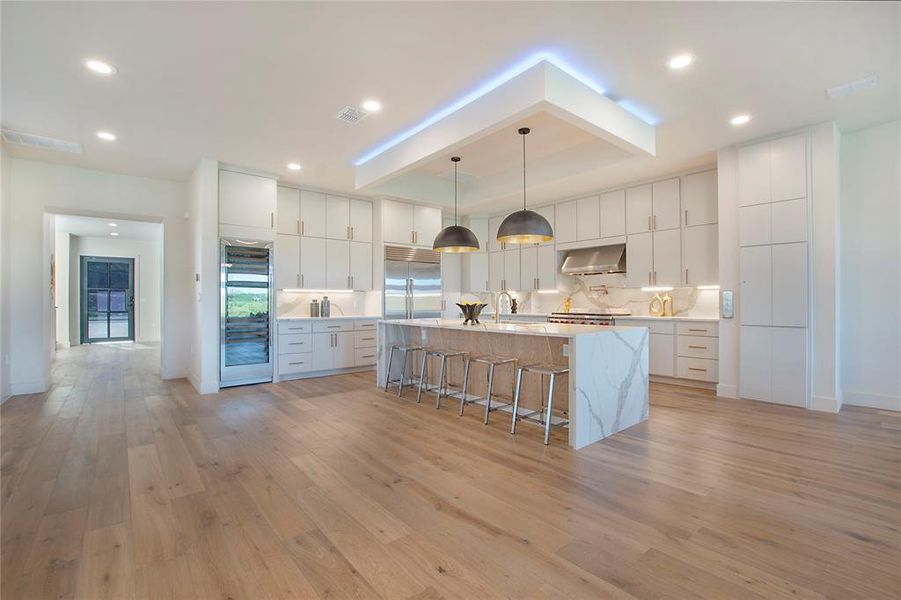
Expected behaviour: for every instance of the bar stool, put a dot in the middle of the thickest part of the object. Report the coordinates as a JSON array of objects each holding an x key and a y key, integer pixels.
[
  {"x": 492, "y": 360},
  {"x": 405, "y": 347},
  {"x": 432, "y": 331},
  {"x": 545, "y": 369}
]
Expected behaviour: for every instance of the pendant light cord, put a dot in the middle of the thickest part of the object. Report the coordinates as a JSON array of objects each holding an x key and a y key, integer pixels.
[
  {"x": 455, "y": 192},
  {"x": 523, "y": 171}
]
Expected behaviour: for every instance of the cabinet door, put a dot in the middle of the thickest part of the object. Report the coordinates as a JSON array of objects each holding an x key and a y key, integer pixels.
[
  {"x": 247, "y": 200},
  {"x": 312, "y": 263},
  {"x": 337, "y": 218},
  {"x": 337, "y": 265},
  {"x": 665, "y": 195},
  {"x": 755, "y": 378},
  {"x": 493, "y": 224},
  {"x": 323, "y": 351},
  {"x": 638, "y": 209},
  {"x": 662, "y": 355},
  {"x": 668, "y": 257},
  {"x": 699, "y": 198},
  {"x": 699, "y": 255},
  {"x": 479, "y": 226},
  {"x": 788, "y": 166},
  {"x": 789, "y": 365},
  {"x": 588, "y": 222},
  {"x": 789, "y": 221},
  {"x": 312, "y": 214},
  {"x": 566, "y": 221},
  {"x": 548, "y": 213},
  {"x": 344, "y": 355},
  {"x": 513, "y": 269},
  {"x": 451, "y": 282},
  {"x": 754, "y": 174},
  {"x": 547, "y": 268},
  {"x": 361, "y": 266},
  {"x": 754, "y": 225},
  {"x": 360, "y": 221},
  {"x": 639, "y": 259},
  {"x": 756, "y": 299},
  {"x": 478, "y": 272},
  {"x": 496, "y": 271},
  {"x": 528, "y": 268},
  {"x": 613, "y": 213},
  {"x": 288, "y": 217},
  {"x": 287, "y": 261},
  {"x": 790, "y": 285},
  {"x": 426, "y": 224},
  {"x": 397, "y": 222}
]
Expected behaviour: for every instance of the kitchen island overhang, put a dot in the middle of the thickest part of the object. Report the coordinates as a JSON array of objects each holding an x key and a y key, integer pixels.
[{"x": 606, "y": 390}]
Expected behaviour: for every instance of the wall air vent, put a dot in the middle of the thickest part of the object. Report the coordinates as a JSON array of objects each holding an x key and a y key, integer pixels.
[
  {"x": 852, "y": 87},
  {"x": 351, "y": 115},
  {"x": 37, "y": 141}
]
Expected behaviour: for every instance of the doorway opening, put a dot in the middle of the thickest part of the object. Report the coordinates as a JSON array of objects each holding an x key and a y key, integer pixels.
[{"x": 107, "y": 299}]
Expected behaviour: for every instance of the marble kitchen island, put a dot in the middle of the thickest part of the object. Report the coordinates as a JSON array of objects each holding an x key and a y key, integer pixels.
[{"x": 606, "y": 390}]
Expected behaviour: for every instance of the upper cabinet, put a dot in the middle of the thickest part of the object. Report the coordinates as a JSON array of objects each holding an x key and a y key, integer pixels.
[
  {"x": 613, "y": 213},
  {"x": 653, "y": 207},
  {"x": 360, "y": 221},
  {"x": 288, "y": 211},
  {"x": 773, "y": 171},
  {"x": 494, "y": 224},
  {"x": 247, "y": 200},
  {"x": 479, "y": 226},
  {"x": 312, "y": 214},
  {"x": 337, "y": 218},
  {"x": 410, "y": 224},
  {"x": 638, "y": 209},
  {"x": 588, "y": 212},
  {"x": 567, "y": 220},
  {"x": 548, "y": 213},
  {"x": 699, "y": 194},
  {"x": 426, "y": 225}
]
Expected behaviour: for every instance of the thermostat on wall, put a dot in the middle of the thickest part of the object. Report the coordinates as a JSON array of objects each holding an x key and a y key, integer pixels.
[{"x": 726, "y": 303}]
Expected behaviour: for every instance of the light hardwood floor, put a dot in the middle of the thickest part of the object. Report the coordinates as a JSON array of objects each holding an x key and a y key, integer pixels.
[{"x": 116, "y": 484}]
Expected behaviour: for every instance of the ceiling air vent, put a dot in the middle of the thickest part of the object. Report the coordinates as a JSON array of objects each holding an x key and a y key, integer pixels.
[
  {"x": 37, "y": 141},
  {"x": 852, "y": 87},
  {"x": 351, "y": 115}
]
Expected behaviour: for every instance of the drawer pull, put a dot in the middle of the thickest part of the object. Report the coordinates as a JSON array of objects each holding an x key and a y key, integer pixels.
[
  {"x": 697, "y": 369},
  {"x": 296, "y": 363},
  {"x": 697, "y": 347},
  {"x": 334, "y": 326},
  {"x": 367, "y": 339},
  {"x": 700, "y": 330},
  {"x": 369, "y": 356},
  {"x": 304, "y": 343}
]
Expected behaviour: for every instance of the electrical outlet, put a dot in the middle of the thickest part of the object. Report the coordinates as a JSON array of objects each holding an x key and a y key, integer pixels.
[{"x": 565, "y": 349}]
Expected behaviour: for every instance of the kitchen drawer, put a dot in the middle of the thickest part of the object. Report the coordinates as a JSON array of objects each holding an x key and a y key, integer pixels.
[
  {"x": 293, "y": 343},
  {"x": 289, "y": 364},
  {"x": 363, "y": 357},
  {"x": 695, "y": 346},
  {"x": 365, "y": 324},
  {"x": 664, "y": 327},
  {"x": 702, "y": 369},
  {"x": 707, "y": 329},
  {"x": 294, "y": 327},
  {"x": 364, "y": 339},
  {"x": 326, "y": 326}
]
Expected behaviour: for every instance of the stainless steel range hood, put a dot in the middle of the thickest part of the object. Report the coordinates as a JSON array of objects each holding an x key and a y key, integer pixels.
[{"x": 596, "y": 261}]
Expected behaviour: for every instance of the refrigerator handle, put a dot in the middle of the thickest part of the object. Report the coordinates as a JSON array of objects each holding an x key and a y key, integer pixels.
[{"x": 410, "y": 298}]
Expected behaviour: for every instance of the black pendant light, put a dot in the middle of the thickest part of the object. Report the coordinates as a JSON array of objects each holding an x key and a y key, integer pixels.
[
  {"x": 524, "y": 226},
  {"x": 455, "y": 238}
]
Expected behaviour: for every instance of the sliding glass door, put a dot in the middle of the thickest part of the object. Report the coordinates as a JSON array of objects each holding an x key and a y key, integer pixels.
[{"x": 107, "y": 299}]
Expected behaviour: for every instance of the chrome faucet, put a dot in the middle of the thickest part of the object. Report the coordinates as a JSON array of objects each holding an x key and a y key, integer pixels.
[{"x": 497, "y": 304}]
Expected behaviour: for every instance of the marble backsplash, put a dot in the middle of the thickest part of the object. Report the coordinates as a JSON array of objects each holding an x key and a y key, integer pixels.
[{"x": 297, "y": 304}]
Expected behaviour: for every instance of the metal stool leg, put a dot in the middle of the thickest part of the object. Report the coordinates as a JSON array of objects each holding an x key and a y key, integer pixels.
[
  {"x": 425, "y": 355},
  {"x": 441, "y": 375},
  {"x": 388, "y": 372},
  {"x": 550, "y": 404},
  {"x": 490, "y": 385},
  {"x": 516, "y": 399},
  {"x": 465, "y": 383},
  {"x": 403, "y": 373}
]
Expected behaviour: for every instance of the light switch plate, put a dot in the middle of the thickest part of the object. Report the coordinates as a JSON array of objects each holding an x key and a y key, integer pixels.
[
  {"x": 565, "y": 349},
  {"x": 726, "y": 304}
]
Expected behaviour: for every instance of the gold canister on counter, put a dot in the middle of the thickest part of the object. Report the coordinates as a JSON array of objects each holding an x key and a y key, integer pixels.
[{"x": 567, "y": 304}]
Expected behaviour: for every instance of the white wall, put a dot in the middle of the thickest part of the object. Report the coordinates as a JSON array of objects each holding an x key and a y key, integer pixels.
[
  {"x": 37, "y": 188},
  {"x": 63, "y": 306},
  {"x": 4, "y": 275},
  {"x": 870, "y": 258}
]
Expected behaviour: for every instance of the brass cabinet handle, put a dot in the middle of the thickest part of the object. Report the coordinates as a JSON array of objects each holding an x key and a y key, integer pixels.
[
  {"x": 686, "y": 216},
  {"x": 369, "y": 356},
  {"x": 697, "y": 347},
  {"x": 697, "y": 369},
  {"x": 655, "y": 222},
  {"x": 333, "y": 326},
  {"x": 296, "y": 363},
  {"x": 301, "y": 227},
  {"x": 297, "y": 226},
  {"x": 649, "y": 278},
  {"x": 649, "y": 222},
  {"x": 701, "y": 330},
  {"x": 272, "y": 220},
  {"x": 296, "y": 343},
  {"x": 367, "y": 339},
  {"x": 686, "y": 275}
]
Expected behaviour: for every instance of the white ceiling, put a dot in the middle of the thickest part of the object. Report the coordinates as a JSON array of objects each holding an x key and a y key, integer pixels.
[
  {"x": 94, "y": 227},
  {"x": 257, "y": 84}
]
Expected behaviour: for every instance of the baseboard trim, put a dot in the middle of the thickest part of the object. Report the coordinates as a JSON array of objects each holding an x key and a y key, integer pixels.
[
  {"x": 692, "y": 383},
  {"x": 825, "y": 404},
  {"x": 329, "y": 373},
  {"x": 869, "y": 400},
  {"x": 725, "y": 390},
  {"x": 28, "y": 387}
]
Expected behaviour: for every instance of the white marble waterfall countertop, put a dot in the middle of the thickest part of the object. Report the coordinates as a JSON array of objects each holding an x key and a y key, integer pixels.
[
  {"x": 673, "y": 318},
  {"x": 552, "y": 329}
]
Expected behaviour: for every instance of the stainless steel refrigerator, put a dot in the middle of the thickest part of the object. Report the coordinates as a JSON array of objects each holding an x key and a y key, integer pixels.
[
  {"x": 246, "y": 308},
  {"x": 412, "y": 283}
]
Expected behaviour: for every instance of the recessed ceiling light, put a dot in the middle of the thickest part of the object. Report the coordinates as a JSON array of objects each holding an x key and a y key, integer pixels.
[
  {"x": 680, "y": 61},
  {"x": 106, "y": 135},
  {"x": 100, "y": 67},
  {"x": 294, "y": 166},
  {"x": 113, "y": 224},
  {"x": 113, "y": 233},
  {"x": 740, "y": 119},
  {"x": 371, "y": 106}
]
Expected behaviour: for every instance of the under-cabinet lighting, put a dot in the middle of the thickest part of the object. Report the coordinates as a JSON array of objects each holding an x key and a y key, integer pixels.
[
  {"x": 306, "y": 291},
  {"x": 658, "y": 288},
  {"x": 708, "y": 287},
  {"x": 548, "y": 292}
]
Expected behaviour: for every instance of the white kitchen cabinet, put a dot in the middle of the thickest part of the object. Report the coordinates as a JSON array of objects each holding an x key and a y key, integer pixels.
[
  {"x": 494, "y": 224},
  {"x": 638, "y": 209},
  {"x": 789, "y": 285},
  {"x": 665, "y": 204},
  {"x": 788, "y": 168},
  {"x": 547, "y": 268},
  {"x": 661, "y": 354},
  {"x": 360, "y": 265},
  {"x": 288, "y": 211},
  {"x": 588, "y": 218},
  {"x": 699, "y": 255},
  {"x": 789, "y": 366},
  {"x": 333, "y": 350},
  {"x": 496, "y": 271},
  {"x": 247, "y": 200},
  {"x": 538, "y": 268},
  {"x": 479, "y": 226},
  {"x": 360, "y": 221},
  {"x": 789, "y": 221},
  {"x": 756, "y": 295},
  {"x": 451, "y": 282},
  {"x": 287, "y": 261},
  {"x": 613, "y": 213},
  {"x": 478, "y": 272},
  {"x": 548, "y": 213},
  {"x": 397, "y": 222},
  {"x": 754, "y": 174},
  {"x": 512, "y": 269},
  {"x": 312, "y": 214},
  {"x": 337, "y": 217},
  {"x": 426, "y": 225},
  {"x": 639, "y": 259},
  {"x": 667, "y": 257},
  {"x": 755, "y": 365},
  {"x": 337, "y": 264},
  {"x": 312, "y": 263},
  {"x": 699, "y": 199},
  {"x": 755, "y": 225},
  {"x": 528, "y": 274},
  {"x": 566, "y": 222}
]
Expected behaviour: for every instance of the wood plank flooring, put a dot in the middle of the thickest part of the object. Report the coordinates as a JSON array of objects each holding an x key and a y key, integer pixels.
[{"x": 116, "y": 484}]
